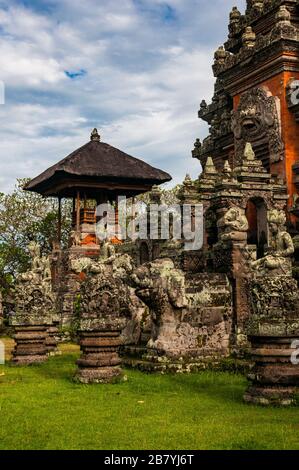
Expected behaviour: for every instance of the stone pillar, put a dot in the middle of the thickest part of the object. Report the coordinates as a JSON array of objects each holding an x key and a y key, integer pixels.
[
  {"x": 30, "y": 344},
  {"x": 31, "y": 336},
  {"x": 51, "y": 341},
  {"x": 272, "y": 328},
  {"x": 274, "y": 379},
  {"x": 99, "y": 361}
]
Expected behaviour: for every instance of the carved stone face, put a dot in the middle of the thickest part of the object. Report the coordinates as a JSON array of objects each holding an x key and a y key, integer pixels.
[{"x": 273, "y": 227}]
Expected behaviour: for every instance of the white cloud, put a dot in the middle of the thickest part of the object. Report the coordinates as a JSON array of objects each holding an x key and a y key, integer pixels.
[{"x": 144, "y": 82}]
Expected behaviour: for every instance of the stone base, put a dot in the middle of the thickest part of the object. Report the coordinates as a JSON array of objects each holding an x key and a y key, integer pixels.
[
  {"x": 51, "y": 342},
  {"x": 274, "y": 379},
  {"x": 30, "y": 347},
  {"x": 99, "y": 361},
  {"x": 102, "y": 375},
  {"x": 272, "y": 396}
]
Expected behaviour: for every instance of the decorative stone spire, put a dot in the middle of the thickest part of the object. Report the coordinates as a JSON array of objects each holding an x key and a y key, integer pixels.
[
  {"x": 234, "y": 16},
  {"x": 249, "y": 152},
  {"x": 95, "y": 137},
  {"x": 227, "y": 168},
  {"x": 220, "y": 55},
  {"x": 249, "y": 37},
  {"x": 156, "y": 194},
  {"x": 203, "y": 104},
  {"x": 197, "y": 149},
  {"x": 283, "y": 16},
  {"x": 210, "y": 168}
]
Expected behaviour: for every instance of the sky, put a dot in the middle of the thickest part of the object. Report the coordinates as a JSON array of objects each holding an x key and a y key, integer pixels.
[{"x": 135, "y": 69}]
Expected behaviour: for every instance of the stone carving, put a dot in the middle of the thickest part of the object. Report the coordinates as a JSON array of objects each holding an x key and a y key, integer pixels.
[
  {"x": 162, "y": 287},
  {"x": 106, "y": 305},
  {"x": 75, "y": 238},
  {"x": 33, "y": 292},
  {"x": 255, "y": 119},
  {"x": 281, "y": 248},
  {"x": 233, "y": 225},
  {"x": 35, "y": 311}
]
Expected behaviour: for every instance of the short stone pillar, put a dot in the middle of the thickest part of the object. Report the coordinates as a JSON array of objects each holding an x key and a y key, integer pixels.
[
  {"x": 30, "y": 335},
  {"x": 51, "y": 341},
  {"x": 99, "y": 361},
  {"x": 103, "y": 311},
  {"x": 272, "y": 329},
  {"x": 274, "y": 379}
]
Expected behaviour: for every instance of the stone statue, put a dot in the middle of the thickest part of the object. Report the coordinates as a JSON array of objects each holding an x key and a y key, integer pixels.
[
  {"x": 233, "y": 225},
  {"x": 75, "y": 238},
  {"x": 162, "y": 288},
  {"x": 281, "y": 248},
  {"x": 33, "y": 291}
]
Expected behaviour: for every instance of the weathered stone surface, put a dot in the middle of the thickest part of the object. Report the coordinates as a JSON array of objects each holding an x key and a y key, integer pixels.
[
  {"x": 30, "y": 347},
  {"x": 35, "y": 310},
  {"x": 99, "y": 361},
  {"x": 274, "y": 379},
  {"x": 104, "y": 309}
]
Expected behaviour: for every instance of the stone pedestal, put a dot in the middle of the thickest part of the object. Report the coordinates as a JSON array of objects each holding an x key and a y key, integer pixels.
[
  {"x": 274, "y": 379},
  {"x": 51, "y": 341},
  {"x": 99, "y": 361},
  {"x": 272, "y": 329},
  {"x": 31, "y": 337},
  {"x": 30, "y": 347}
]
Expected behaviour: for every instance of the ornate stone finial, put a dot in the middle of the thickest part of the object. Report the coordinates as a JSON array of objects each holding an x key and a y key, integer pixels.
[
  {"x": 187, "y": 180},
  {"x": 210, "y": 167},
  {"x": 203, "y": 104},
  {"x": 283, "y": 15},
  {"x": 249, "y": 37},
  {"x": 156, "y": 194},
  {"x": 220, "y": 55},
  {"x": 227, "y": 168},
  {"x": 95, "y": 137},
  {"x": 235, "y": 15},
  {"x": 249, "y": 152},
  {"x": 196, "y": 152}
]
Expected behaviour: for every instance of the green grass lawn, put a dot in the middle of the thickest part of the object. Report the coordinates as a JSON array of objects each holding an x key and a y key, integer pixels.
[{"x": 41, "y": 408}]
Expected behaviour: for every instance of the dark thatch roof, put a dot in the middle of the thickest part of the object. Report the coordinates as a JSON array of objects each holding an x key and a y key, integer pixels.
[{"x": 98, "y": 162}]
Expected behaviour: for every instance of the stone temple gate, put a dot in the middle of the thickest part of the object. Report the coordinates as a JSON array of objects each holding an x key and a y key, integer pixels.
[{"x": 165, "y": 308}]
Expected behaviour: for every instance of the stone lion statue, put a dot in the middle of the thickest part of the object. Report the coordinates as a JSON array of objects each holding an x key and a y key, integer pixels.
[{"x": 162, "y": 288}]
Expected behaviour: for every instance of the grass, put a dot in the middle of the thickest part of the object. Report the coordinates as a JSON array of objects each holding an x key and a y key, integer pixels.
[{"x": 41, "y": 408}]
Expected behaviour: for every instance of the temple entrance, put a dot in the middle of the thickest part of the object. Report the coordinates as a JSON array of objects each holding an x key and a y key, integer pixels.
[
  {"x": 256, "y": 213},
  {"x": 144, "y": 253}
]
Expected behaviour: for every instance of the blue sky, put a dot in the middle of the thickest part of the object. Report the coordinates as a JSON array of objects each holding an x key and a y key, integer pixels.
[{"x": 136, "y": 69}]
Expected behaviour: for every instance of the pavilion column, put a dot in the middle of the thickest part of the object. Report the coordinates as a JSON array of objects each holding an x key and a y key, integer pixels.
[
  {"x": 59, "y": 220},
  {"x": 78, "y": 207}
]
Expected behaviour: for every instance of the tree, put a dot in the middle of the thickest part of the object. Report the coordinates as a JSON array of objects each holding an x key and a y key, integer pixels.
[{"x": 26, "y": 216}]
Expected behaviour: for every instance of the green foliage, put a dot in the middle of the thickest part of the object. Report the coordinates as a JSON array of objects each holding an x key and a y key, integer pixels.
[
  {"x": 26, "y": 216},
  {"x": 42, "y": 408}
]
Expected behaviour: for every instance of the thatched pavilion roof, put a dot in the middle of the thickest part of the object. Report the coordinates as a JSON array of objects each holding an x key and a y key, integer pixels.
[{"x": 97, "y": 166}]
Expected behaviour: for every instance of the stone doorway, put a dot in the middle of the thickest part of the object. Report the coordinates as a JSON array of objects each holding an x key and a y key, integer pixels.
[{"x": 256, "y": 213}]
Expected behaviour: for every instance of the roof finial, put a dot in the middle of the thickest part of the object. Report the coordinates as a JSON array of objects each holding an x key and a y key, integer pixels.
[
  {"x": 95, "y": 136},
  {"x": 249, "y": 152}
]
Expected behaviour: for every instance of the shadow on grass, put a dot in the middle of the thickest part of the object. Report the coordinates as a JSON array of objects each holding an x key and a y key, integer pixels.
[
  {"x": 59, "y": 367},
  {"x": 220, "y": 386}
]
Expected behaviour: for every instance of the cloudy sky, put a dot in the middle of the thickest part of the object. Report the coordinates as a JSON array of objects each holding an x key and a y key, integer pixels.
[{"x": 136, "y": 69}]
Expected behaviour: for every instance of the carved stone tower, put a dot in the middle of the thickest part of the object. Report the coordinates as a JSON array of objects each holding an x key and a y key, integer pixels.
[{"x": 255, "y": 93}]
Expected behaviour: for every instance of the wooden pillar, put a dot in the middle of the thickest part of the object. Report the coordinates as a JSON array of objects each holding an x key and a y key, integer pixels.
[
  {"x": 78, "y": 212},
  {"x": 59, "y": 220}
]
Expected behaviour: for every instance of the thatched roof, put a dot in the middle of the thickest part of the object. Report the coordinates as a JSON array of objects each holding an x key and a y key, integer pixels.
[{"x": 96, "y": 162}]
